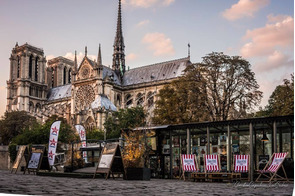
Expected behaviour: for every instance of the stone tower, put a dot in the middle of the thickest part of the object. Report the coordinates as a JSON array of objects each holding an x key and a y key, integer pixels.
[
  {"x": 119, "y": 55},
  {"x": 26, "y": 87}
]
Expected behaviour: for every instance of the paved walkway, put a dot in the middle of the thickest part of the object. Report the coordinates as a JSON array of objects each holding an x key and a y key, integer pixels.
[{"x": 41, "y": 185}]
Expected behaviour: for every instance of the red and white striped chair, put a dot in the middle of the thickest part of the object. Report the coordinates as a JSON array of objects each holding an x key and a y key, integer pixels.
[
  {"x": 273, "y": 166},
  {"x": 241, "y": 165},
  {"x": 188, "y": 164},
  {"x": 212, "y": 163}
]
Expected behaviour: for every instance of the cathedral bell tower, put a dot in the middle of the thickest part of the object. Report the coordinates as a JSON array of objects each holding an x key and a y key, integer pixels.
[
  {"x": 119, "y": 47},
  {"x": 26, "y": 87}
]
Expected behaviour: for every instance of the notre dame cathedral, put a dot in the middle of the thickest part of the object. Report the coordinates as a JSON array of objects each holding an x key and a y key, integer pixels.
[{"x": 87, "y": 93}]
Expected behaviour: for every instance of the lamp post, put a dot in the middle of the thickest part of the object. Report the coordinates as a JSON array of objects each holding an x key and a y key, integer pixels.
[{"x": 264, "y": 139}]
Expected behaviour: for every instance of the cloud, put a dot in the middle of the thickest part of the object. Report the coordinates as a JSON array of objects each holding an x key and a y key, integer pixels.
[
  {"x": 147, "y": 3},
  {"x": 271, "y": 50},
  {"x": 131, "y": 57},
  {"x": 50, "y": 57},
  {"x": 265, "y": 40},
  {"x": 244, "y": 8},
  {"x": 274, "y": 19},
  {"x": 143, "y": 23},
  {"x": 159, "y": 44},
  {"x": 274, "y": 61}
]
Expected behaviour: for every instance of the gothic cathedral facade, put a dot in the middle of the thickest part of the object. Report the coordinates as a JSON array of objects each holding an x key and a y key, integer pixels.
[{"x": 87, "y": 93}]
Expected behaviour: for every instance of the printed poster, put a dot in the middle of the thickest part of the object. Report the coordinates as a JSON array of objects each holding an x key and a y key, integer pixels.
[{"x": 34, "y": 161}]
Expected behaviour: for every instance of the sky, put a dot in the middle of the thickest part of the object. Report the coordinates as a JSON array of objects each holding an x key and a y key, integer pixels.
[{"x": 261, "y": 31}]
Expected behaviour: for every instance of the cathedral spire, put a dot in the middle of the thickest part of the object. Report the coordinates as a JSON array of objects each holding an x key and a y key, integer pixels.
[
  {"x": 75, "y": 62},
  {"x": 85, "y": 50},
  {"x": 119, "y": 55},
  {"x": 189, "y": 50},
  {"x": 99, "y": 62}
]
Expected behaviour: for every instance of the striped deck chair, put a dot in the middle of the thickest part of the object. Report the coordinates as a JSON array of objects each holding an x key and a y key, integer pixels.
[
  {"x": 241, "y": 165},
  {"x": 212, "y": 163},
  {"x": 188, "y": 164},
  {"x": 273, "y": 166}
]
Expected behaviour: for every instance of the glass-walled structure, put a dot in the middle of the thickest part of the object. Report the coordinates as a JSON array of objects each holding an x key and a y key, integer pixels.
[{"x": 257, "y": 137}]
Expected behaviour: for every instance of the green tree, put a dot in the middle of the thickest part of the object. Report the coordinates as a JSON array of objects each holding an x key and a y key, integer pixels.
[
  {"x": 180, "y": 102},
  {"x": 95, "y": 134},
  {"x": 128, "y": 118},
  {"x": 39, "y": 134},
  {"x": 221, "y": 87},
  {"x": 281, "y": 101},
  {"x": 14, "y": 123}
]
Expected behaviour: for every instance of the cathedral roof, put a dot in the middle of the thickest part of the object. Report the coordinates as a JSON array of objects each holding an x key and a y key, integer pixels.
[
  {"x": 60, "y": 92},
  {"x": 60, "y": 59},
  {"x": 103, "y": 102},
  {"x": 108, "y": 72},
  {"x": 156, "y": 72}
]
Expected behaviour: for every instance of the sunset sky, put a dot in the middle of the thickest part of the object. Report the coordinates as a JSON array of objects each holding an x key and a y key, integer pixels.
[{"x": 261, "y": 31}]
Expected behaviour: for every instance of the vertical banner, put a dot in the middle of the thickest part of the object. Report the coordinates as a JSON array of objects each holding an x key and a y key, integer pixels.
[
  {"x": 82, "y": 134},
  {"x": 54, "y": 131}
]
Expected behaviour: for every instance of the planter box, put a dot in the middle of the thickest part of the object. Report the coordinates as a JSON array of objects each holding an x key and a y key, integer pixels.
[{"x": 138, "y": 174}]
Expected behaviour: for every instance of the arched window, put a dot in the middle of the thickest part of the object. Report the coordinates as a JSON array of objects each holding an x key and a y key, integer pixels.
[
  {"x": 38, "y": 108},
  {"x": 30, "y": 66},
  {"x": 65, "y": 75},
  {"x": 54, "y": 77},
  {"x": 18, "y": 67},
  {"x": 139, "y": 99},
  {"x": 150, "y": 99},
  {"x": 70, "y": 76},
  {"x": 30, "y": 91},
  {"x": 118, "y": 100},
  {"x": 31, "y": 107},
  {"x": 36, "y": 68},
  {"x": 129, "y": 100}
]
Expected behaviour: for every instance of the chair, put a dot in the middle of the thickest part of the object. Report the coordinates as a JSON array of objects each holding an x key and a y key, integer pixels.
[
  {"x": 188, "y": 164},
  {"x": 273, "y": 166},
  {"x": 212, "y": 163},
  {"x": 241, "y": 165}
]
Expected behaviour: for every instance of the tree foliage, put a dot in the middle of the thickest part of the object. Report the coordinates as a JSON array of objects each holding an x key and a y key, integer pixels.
[
  {"x": 14, "y": 123},
  {"x": 281, "y": 101},
  {"x": 180, "y": 102},
  {"x": 221, "y": 87},
  {"x": 95, "y": 134},
  {"x": 228, "y": 84},
  {"x": 39, "y": 134},
  {"x": 127, "y": 118}
]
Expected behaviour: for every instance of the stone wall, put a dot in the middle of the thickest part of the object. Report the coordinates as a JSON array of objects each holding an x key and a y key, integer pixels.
[{"x": 4, "y": 158}]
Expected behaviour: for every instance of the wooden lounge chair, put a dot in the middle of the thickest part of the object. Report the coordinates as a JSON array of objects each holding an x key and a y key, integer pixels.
[
  {"x": 188, "y": 164},
  {"x": 272, "y": 167},
  {"x": 241, "y": 165}
]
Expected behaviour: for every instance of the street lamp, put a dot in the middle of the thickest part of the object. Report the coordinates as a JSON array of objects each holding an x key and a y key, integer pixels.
[{"x": 264, "y": 138}]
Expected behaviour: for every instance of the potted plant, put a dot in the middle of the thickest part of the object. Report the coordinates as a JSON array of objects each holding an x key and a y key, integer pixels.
[{"x": 135, "y": 155}]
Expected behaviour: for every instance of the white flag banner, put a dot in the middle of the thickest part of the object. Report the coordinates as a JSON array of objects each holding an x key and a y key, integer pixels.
[
  {"x": 82, "y": 134},
  {"x": 54, "y": 131}
]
